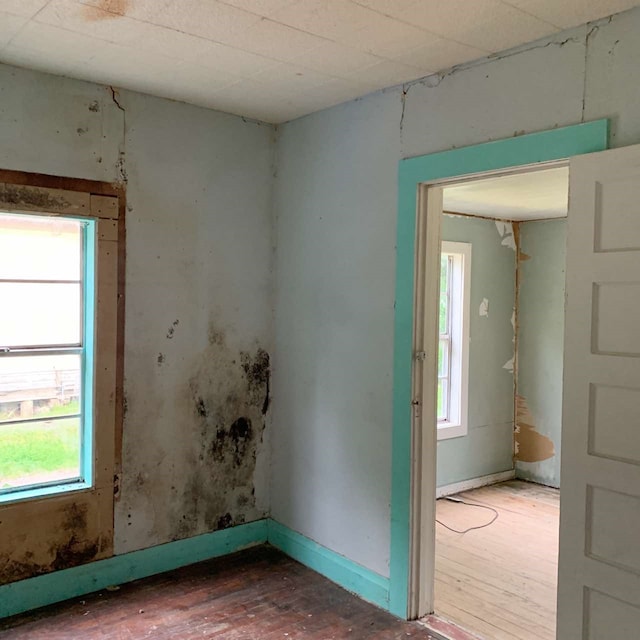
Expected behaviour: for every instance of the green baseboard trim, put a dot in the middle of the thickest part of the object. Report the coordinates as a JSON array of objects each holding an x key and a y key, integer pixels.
[
  {"x": 50, "y": 588},
  {"x": 365, "y": 583},
  {"x": 24, "y": 595}
]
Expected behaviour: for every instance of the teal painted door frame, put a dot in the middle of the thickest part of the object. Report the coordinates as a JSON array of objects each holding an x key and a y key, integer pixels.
[{"x": 545, "y": 146}]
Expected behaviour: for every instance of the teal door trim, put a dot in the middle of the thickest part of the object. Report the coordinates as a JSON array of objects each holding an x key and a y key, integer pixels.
[{"x": 545, "y": 146}]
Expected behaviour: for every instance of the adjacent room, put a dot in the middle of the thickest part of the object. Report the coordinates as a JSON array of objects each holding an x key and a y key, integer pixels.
[
  {"x": 501, "y": 326},
  {"x": 212, "y": 397}
]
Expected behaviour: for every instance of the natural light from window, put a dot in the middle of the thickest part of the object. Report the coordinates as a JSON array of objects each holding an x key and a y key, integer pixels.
[
  {"x": 453, "y": 347},
  {"x": 42, "y": 351}
]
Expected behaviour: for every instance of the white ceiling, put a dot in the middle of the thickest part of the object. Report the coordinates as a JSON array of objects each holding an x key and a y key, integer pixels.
[
  {"x": 533, "y": 195},
  {"x": 273, "y": 60}
]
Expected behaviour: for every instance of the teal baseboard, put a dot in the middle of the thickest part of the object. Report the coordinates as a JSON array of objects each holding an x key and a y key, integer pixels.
[
  {"x": 24, "y": 595},
  {"x": 365, "y": 583}
]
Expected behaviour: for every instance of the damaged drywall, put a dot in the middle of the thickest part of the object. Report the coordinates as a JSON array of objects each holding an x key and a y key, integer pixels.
[
  {"x": 530, "y": 444},
  {"x": 506, "y": 233},
  {"x": 540, "y": 344}
]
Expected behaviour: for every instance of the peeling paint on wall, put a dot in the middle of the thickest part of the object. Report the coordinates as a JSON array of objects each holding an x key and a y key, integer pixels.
[
  {"x": 509, "y": 364},
  {"x": 505, "y": 231},
  {"x": 530, "y": 445},
  {"x": 484, "y": 308},
  {"x": 539, "y": 362}
]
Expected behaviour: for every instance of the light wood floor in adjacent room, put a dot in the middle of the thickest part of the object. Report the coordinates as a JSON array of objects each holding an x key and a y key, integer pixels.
[{"x": 500, "y": 582}]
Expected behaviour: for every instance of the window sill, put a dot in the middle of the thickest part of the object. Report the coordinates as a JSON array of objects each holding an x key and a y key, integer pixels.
[
  {"x": 447, "y": 431},
  {"x": 42, "y": 492}
]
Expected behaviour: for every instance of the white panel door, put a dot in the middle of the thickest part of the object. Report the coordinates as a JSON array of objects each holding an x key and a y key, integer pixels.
[{"x": 599, "y": 566}]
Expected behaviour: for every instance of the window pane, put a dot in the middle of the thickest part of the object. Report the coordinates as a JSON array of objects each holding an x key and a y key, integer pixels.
[
  {"x": 39, "y": 387},
  {"x": 37, "y": 248},
  {"x": 445, "y": 269},
  {"x": 38, "y": 452},
  {"x": 443, "y": 313},
  {"x": 443, "y": 401},
  {"x": 39, "y": 314},
  {"x": 443, "y": 358},
  {"x": 444, "y": 272}
]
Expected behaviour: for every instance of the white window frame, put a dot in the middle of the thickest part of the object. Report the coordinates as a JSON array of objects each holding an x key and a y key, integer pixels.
[{"x": 456, "y": 424}]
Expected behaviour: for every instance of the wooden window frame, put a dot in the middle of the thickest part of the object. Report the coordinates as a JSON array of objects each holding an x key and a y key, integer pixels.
[{"x": 75, "y": 527}]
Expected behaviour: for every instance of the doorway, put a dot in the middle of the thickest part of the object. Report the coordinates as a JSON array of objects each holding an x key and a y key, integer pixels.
[
  {"x": 500, "y": 317},
  {"x": 598, "y": 561},
  {"x": 413, "y": 471}
]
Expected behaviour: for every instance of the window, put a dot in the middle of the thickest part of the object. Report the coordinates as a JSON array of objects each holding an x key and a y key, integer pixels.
[
  {"x": 46, "y": 353},
  {"x": 453, "y": 348}
]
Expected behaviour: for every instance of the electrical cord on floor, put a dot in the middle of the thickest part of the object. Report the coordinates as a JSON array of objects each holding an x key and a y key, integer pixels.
[{"x": 470, "y": 504}]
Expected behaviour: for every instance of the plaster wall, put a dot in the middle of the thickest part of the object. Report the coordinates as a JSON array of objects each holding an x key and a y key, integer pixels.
[
  {"x": 540, "y": 350},
  {"x": 335, "y": 202},
  {"x": 199, "y": 319}
]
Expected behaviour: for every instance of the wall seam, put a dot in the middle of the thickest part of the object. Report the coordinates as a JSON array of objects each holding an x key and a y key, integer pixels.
[{"x": 274, "y": 296}]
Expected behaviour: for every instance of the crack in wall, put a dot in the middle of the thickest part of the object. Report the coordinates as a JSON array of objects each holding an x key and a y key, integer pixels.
[
  {"x": 595, "y": 27},
  {"x": 115, "y": 94},
  {"x": 403, "y": 98},
  {"x": 121, "y": 168},
  {"x": 435, "y": 79}
]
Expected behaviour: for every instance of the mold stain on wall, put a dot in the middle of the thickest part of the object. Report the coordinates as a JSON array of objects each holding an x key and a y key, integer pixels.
[
  {"x": 32, "y": 198},
  {"x": 76, "y": 542},
  {"x": 204, "y": 481}
]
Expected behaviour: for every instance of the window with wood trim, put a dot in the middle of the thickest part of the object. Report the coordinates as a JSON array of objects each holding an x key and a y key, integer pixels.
[
  {"x": 58, "y": 341},
  {"x": 453, "y": 348}
]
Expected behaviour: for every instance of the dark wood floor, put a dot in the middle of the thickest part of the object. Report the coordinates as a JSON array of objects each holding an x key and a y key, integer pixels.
[{"x": 258, "y": 594}]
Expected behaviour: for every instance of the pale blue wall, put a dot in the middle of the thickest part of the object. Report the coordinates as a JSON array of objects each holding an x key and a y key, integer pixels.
[
  {"x": 488, "y": 446},
  {"x": 541, "y": 338},
  {"x": 336, "y": 213}
]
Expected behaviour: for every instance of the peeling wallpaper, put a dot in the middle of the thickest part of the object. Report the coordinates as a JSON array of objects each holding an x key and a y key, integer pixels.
[{"x": 540, "y": 351}]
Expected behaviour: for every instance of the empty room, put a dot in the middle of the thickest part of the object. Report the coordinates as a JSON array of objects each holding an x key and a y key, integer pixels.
[
  {"x": 271, "y": 314},
  {"x": 500, "y": 335}
]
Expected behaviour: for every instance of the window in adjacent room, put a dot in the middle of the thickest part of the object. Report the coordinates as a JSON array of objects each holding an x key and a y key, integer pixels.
[
  {"x": 47, "y": 272},
  {"x": 453, "y": 351}
]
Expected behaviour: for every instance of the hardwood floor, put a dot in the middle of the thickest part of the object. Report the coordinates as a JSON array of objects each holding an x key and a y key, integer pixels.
[
  {"x": 258, "y": 594},
  {"x": 500, "y": 582}
]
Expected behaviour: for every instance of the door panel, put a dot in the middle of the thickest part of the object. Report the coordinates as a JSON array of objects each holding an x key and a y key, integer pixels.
[{"x": 599, "y": 565}]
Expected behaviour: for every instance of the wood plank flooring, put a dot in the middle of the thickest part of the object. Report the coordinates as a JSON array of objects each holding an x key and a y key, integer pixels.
[
  {"x": 500, "y": 582},
  {"x": 258, "y": 594}
]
